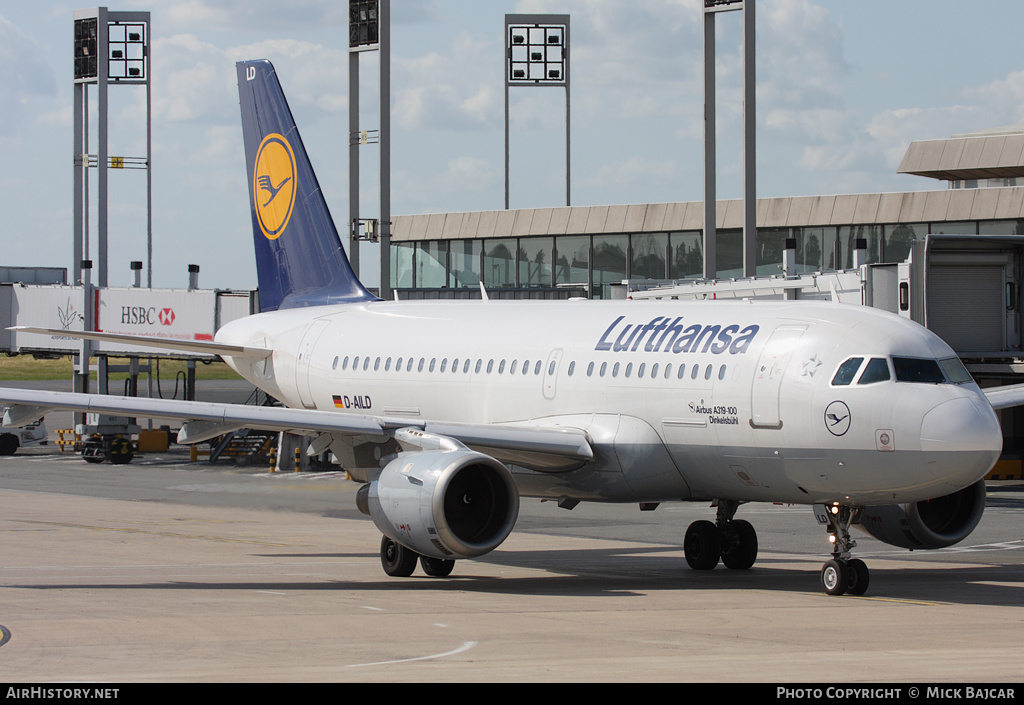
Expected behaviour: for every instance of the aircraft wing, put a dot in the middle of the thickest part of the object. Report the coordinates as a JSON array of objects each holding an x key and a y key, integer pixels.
[
  {"x": 193, "y": 346},
  {"x": 206, "y": 420},
  {"x": 1005, "y": 397}
]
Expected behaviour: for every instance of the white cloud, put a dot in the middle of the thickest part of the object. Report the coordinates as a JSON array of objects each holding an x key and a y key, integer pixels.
[
  {"x": 631, "y": 173},
  {"x": 454, "y": 91},
  {"x": 1004, "y": 97},
  {"x": 25, "y": 77}
]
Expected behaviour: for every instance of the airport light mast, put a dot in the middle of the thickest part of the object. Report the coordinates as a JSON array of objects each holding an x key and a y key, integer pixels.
[
  {"x": 110, "y": 49},
  {"x": 537, "y": 54},
  {"x": 370, "y": 30},
  {"x": 711, "y": 9}
]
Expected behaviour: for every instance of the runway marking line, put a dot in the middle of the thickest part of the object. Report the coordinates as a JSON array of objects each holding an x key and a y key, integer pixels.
[{"x": 465, "y": 647}]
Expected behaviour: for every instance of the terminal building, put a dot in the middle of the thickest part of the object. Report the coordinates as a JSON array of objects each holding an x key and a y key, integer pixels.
[{"x": 948, "y": 258}]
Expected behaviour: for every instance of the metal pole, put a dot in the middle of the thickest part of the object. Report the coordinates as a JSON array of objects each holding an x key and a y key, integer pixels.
[
  {"x": 81, "y": 166},
  {"x": 103, "y": 73},
  {"x": 506, "y": 128},
  {"x": 353, "y": 160},
  {"x": 710, "y": 231},
  {"x": 568, "y": 106},
  {"x": 149, "y": 158},
  {"x": 749, "y": 144},
  {"x": 568, "y": 161},
  {"x": 384, "y": 17}
]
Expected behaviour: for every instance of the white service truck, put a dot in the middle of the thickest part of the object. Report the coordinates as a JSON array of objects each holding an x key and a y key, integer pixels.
[{"x": 14, "y": 437}]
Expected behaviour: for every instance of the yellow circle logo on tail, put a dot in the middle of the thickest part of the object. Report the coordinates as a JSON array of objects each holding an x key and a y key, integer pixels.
[{"x": 273, "y": 185}]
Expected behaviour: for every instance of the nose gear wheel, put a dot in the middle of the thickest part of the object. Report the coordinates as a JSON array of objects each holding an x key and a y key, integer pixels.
[{"x": 843, "y": 575}]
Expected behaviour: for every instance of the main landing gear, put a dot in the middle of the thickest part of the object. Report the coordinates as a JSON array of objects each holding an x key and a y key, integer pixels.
[
  {"x": 400, "y": 562},
  {"x": 731, "y": 541},
  {"x": 843, "y": 574}
]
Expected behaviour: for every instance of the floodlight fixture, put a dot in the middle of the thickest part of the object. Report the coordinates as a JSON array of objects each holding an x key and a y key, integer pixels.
[
  {"x": 86, "y": 48},
  {"x": 722, "y": 5},
  {"x": 364, "y": 23},
  {"x": 536, "y": 49}
]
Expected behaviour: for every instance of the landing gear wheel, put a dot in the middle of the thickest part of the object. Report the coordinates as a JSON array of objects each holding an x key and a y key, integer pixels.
[
  {"x": 436, "y": 567},
  {"x": 702, "y": 545},
  {"x": 858, "y": 577},
  {"x": 739, "y": 545},
  {"x": 835, "y": 577},
  {"x": 397, "y": 560}
]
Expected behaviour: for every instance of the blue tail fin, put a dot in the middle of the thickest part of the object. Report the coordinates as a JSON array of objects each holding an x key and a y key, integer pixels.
[{"x": 299, "y": 257}]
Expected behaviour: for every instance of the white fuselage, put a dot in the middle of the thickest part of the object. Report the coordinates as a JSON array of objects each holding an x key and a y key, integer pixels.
[{"x": 681, "y": 400}]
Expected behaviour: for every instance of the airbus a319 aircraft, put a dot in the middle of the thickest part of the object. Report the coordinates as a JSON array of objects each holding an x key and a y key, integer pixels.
[{"x": 464, "y": 407}]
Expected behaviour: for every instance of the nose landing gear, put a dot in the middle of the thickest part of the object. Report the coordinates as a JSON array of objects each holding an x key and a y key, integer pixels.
[{"x": 843, "y": 574}]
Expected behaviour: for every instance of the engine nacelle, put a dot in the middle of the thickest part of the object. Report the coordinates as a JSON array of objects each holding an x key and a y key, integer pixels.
[
  {"x": 443, "y": 503},
  {"x": 934, "y": 523}
]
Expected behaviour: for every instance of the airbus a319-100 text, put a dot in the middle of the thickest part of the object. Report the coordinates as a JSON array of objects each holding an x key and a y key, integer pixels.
[{"x": 456, "y": 410}]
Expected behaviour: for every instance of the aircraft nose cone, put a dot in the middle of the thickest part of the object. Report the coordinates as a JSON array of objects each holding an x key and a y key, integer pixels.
[{"x": 963, "y": 425}]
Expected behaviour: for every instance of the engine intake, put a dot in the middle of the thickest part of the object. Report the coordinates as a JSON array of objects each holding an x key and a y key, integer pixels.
[
  {"x": 443, "y": 504},
  {"x": 934, "y": 523}
]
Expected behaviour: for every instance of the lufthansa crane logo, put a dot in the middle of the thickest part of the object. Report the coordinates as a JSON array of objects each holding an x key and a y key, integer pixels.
[
  {"x": 274, "y": 185},
  {"x": 837, "y": 418}
]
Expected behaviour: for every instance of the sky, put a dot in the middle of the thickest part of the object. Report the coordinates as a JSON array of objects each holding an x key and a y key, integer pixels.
[{"x": 843, "y": 88}]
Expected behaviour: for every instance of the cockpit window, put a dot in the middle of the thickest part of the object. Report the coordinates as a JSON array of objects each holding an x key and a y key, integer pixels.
[
  {"x": 877, "y": 370},
  {"x": 847, "y": 371},
  {"x": 913, "y": 369},
  {"x": 955, "y": 371}
]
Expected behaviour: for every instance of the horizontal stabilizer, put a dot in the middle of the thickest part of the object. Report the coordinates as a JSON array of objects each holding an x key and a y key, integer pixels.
[{"x": 191, "y": 346}]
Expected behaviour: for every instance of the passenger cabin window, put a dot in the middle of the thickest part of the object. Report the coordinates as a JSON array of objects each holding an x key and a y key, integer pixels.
[
  {"x": 913, "y": 369},
  {"x": 877, "y": 370},
  {"x": 847, "y": 371}
]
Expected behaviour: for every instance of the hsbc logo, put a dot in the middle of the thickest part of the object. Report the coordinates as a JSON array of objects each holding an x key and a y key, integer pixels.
[{"x": 147, "y": 316}]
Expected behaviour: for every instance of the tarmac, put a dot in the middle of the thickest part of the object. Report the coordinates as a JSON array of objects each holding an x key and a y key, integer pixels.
[{"x": 170, "y": 571}]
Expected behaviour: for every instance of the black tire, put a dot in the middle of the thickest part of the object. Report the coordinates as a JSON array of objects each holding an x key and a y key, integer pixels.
[
  {"x": 119, "y": 451},
  {"x": 834, "y": 577},
  {"x": 397, "y": 560},
  {"x": 739, "y": 545},
  {"x": 702, "y": 545},
  {"x": 858, "y": 577},
  {"x": 8, "y": 444},
  {"x": 436, "y": 567},
  {"x": 92, "y": 451}
]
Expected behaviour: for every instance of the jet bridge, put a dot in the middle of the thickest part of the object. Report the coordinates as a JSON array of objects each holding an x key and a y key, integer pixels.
[{"x": 167, "y": 314}]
